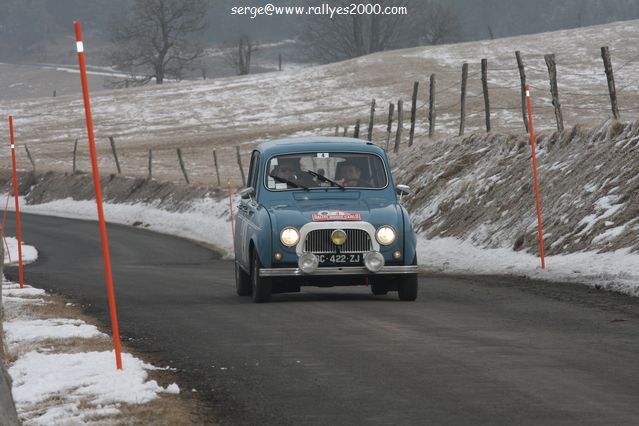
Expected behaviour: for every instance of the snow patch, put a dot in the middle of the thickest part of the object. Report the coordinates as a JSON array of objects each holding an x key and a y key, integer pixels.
[
  {"x": 29, "y": 253},
  {"x": 58, "y": 328},
  {"x": 617, "y": 271},
  {"x": 87, "y": 376}
]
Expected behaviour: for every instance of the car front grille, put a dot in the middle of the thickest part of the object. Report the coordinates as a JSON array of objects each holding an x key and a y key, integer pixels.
[{"x": 319, "y": 241}]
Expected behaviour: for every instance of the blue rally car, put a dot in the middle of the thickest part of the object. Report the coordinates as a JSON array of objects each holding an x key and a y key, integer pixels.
[{"x": 323, "y": 212}]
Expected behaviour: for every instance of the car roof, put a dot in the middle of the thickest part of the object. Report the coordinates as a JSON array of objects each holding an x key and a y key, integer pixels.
[{"x": 317, "y": 143}]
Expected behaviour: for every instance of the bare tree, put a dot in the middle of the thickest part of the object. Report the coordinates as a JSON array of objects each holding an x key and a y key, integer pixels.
[
  {"x": 439, "y": 24},
  {"x": 239, "y": 56},
  {"x": 157, "y": 39},
  {"x": 350, "y": 36}
]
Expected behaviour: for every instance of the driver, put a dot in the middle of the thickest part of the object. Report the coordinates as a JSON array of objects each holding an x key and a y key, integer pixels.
[{"x": 351, "y": 175}]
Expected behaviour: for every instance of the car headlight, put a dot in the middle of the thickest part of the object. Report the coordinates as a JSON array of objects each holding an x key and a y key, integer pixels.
[
  {"x": 386, "y": 235},
  {"x": 289, "y": 236}
]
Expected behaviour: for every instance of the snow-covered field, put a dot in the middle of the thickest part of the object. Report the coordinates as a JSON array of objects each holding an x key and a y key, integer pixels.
[
  {"x": 223, "y": 113},
  {"x": 55, "y": 383}
]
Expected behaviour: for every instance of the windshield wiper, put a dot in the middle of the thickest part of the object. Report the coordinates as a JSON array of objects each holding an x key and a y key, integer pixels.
[
  {"x": 324, "y": 179},
  {"x": 289, "y": 182}
]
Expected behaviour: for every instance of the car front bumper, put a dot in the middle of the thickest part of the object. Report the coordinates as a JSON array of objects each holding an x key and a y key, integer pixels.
[{"x": 337, "y": 270}]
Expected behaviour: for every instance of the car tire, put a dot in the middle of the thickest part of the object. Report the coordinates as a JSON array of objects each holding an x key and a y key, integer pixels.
[
  {"x": 407, "y": 288},
  {"x": 243, "y": 285},
  {"x": 261, "y": 285},
  {"x": 379, "y": 289}
]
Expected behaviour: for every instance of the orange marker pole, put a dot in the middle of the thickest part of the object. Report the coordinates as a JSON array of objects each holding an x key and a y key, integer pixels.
[
  {"x": 15, "y": 196},
  {"x": 98, "y": 198},
  {"x": 537, "y": 196},
  {"x": 228, "y": 182}
]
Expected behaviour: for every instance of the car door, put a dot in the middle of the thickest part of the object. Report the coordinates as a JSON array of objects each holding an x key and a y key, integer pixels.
[{"x": 246, "y": 215}]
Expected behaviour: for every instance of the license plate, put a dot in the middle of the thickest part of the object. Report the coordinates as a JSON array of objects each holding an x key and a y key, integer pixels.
[{"x": 340, "y": 259}]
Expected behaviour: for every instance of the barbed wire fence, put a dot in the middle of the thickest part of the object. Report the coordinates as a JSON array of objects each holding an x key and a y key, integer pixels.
[{"x": 554, "y": 98}]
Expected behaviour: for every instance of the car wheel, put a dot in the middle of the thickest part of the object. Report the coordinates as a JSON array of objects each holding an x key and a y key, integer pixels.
[
  {"x": 242, "y": 281},
  {"x": 379, "y": 289},
  {"x": 407, "y": 288},
  {"x": 261, "y": 285}
]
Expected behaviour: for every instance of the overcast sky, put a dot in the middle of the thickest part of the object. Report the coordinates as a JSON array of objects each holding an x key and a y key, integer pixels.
[
  {"x": 51, "y": 19},
  {"x": 505, "y": 17}
]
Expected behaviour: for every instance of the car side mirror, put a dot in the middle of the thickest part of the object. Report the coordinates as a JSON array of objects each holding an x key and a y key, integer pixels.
[
  {"x": 402, "y": 190},
  {"x": 247, "y": 192}
]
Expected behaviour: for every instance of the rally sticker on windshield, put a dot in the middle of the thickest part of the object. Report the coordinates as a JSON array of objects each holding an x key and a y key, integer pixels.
[{"x": 326, "y": 215}]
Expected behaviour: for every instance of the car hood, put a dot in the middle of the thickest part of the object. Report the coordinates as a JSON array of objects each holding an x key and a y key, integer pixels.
[{"x": 301, "y": 209}]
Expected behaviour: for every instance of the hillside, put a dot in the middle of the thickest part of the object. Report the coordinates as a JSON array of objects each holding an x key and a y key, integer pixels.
[
  {"x": 480, "y": 189},
  {"x": 200, "y": 116}
]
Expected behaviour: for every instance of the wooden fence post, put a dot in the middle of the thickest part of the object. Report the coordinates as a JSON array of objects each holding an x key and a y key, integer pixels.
[
  {"x": 605, "y": 55},
  {"x": 239, "y": 163},
  {"x": 554, "y": 90},
  {"x": 217, "y": 170},
  {"x": 522, "y": 79},
  {"x": 279, "y": 62},
  {"x": 413, "y": 114},
  {"x": 115, "y": 154},
  {"x": 400, "y": 124},
  {"x": 30, "y": 158},
  {"x": 186, "y": 176},
  {"x": 357, "y": 126},
  {"x": 371, "y": 121},
  {"x": 431, "y": 107},
  {"x": 484, "y": 85},
  {"x": 462, "y": 112},
  {"x": 389, "y": 127},
  {"x": 75, "y": 150},
  {"x": 150, "y": 164}
]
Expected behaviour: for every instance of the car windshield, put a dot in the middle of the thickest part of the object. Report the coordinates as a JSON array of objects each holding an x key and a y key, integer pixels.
[{"x": 315, "y": 170}]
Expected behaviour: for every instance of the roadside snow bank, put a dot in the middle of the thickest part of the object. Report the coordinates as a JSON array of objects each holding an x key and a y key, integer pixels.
[
  {"x": 206, "y": 220},
  {"x": 616, "y": 271},
  {"x": 29, "y": 253}
]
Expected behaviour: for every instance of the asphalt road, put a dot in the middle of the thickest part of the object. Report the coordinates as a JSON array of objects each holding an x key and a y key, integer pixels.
[{"x": 469, "y": 351}]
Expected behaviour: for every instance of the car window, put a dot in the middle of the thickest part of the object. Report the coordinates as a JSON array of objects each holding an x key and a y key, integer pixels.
[
  {"x": 252, "y": 176},
  {"x": 317, "y": 169}
]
